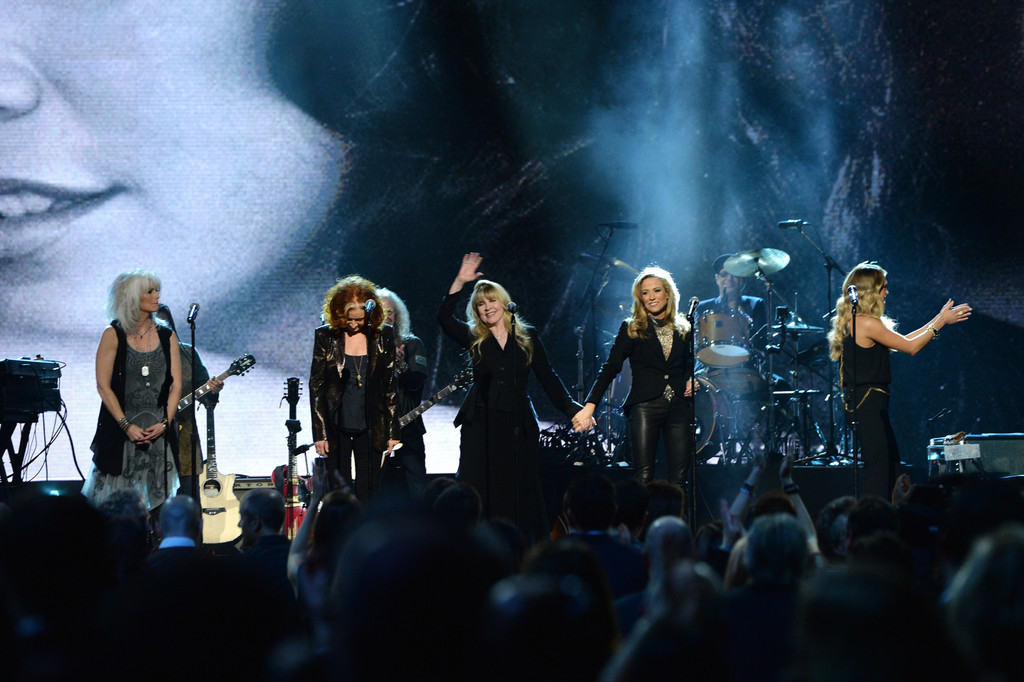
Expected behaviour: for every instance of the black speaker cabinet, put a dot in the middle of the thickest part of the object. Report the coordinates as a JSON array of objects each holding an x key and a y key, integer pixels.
[{"x": 1000, "y": 452}]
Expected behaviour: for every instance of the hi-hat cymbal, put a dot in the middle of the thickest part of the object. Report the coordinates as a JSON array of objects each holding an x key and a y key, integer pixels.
[
  {"x": 749, "y": 263},
  {"x": 615, "y": 268}
]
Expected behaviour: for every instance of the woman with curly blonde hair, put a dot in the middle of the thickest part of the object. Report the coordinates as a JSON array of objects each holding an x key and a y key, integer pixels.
[
  {"x": 353, "y": 392},
  {"x": 504, "y": 349},
  {"x": 866, "y": 395},
  {"x": 658, "y": 343}
]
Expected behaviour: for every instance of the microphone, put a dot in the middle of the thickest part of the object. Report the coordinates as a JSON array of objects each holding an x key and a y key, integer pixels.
[
  {"x": 619, "y": 225},
  {"x": 369, "y": 305},
  {"x": 792, "y": 224},
  {"x": 512, "y": 307},
  {"x": 193, "y": 310},
  {"x": 851, "y": 291},
  {"x": 693, "y": 307}
]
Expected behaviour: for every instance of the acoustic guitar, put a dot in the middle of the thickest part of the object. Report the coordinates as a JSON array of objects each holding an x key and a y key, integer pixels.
[{"x": 221, "y": 509}]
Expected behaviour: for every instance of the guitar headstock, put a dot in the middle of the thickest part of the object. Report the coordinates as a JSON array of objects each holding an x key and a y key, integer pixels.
[
  {"x": 464, "y": 378},
  {"x": 241, "y": 365},
  {"x": 292, "y": 390}
]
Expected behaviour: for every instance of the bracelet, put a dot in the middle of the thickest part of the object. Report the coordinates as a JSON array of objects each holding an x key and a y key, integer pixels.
[
  {"x": 165, "y": 424},
  {"x": 791, "y": 489},
  {"x": 934, "y": 331},
  {"x": 124, "y": 424},
  {"x": 747, "y": 489}
]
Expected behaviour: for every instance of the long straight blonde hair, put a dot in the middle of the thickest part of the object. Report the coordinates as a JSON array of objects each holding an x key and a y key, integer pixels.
[
  {"x": 638, "y": 322},
  {"x": 487, "y": 289}
]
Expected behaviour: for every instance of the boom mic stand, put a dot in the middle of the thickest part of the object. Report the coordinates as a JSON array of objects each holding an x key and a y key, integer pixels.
[{"x": 830, "y": 265}]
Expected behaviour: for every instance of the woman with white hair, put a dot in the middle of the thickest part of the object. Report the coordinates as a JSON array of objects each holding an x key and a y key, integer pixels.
[
  {"x": 411, "y": 369},
  {"x": 138, "y": 376}
]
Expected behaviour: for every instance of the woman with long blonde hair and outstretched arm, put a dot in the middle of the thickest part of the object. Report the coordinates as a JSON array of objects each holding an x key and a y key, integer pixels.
[{"x": 866, "y": 395}]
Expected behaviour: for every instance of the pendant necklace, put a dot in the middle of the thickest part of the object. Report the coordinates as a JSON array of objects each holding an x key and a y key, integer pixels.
[
  {"x": 359, "y": 370},
  {"x": 138, "y": 339}
]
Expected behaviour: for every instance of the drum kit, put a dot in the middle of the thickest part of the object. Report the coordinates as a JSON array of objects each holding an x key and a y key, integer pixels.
[{"x": 742, "y": 406}]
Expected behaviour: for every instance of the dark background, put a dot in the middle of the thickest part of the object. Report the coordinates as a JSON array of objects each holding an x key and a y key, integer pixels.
[{"x": 514, "y": 128}]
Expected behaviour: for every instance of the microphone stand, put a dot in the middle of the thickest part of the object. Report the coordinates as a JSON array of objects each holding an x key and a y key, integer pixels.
[
  {"x": 195, "y": 423},
  {"x": 856, "y": 407},
  {"x": 590, "y": 296},
  {"x": 691, "y": 498},
  {"x": 830, "y": 265},
  {"x": 770, "y": 350},
  {"x": 515, "y": 422}
]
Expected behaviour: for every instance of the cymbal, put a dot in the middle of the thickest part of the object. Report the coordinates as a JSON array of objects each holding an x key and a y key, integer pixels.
[
  {"x": 796, "y": 327},
  {"x": 749, "y": 263},
  {"x": 615, "y": 308},
  {"x": 615, "y": 268}
]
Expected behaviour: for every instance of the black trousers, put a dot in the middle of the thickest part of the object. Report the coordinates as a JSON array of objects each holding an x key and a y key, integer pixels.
[
  {"x": 878, "y": 449},
  {"x": 670, "y": 421},
  {"x": 412, "y": 457},
  {"x": 357, "y": 445}
]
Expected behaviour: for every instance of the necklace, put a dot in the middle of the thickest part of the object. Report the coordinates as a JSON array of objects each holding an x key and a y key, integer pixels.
[
  {"x": 359, "y": 359},
  {"x": 138, "y": 339}
]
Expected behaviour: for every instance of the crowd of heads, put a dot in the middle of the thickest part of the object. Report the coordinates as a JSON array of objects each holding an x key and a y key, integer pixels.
[{"x": 430, "y": 588}]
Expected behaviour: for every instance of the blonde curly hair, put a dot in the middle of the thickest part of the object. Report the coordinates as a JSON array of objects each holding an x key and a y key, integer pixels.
[{"x": 870, "y": 280}]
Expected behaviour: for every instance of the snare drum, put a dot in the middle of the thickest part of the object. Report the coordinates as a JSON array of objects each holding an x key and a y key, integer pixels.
[{"x": 723, "y": 339}]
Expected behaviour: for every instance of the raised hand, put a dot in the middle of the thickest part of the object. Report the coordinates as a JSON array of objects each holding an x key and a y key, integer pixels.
[
  {"x": 951, "y": 314},
  {"x": 468, "y": 270}
]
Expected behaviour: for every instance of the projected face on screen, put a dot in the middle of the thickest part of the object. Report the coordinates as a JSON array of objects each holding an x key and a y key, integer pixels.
[{"x": 140, "y": 133}]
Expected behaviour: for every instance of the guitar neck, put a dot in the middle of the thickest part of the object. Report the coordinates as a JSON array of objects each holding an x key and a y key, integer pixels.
[
  {"x": 201, "y": 391},
  {"x": 408, "y": 417},
  {"x": 211, "y": 448}
]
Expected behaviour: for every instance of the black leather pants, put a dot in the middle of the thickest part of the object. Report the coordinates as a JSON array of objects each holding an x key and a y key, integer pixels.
[{"x": 671, "y": 421}]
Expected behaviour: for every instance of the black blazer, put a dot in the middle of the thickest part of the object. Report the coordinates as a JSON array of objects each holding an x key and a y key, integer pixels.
[
  {"x": 327, "y": 383},
  {"x": 651, "y": 371},
  {"x": 492, "y": 372}
]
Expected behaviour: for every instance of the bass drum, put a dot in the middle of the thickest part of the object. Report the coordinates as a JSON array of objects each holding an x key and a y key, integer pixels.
[{"x": 711, "y": 411}]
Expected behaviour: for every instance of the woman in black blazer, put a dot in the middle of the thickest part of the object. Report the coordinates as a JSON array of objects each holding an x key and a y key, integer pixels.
[
  {"x": 657, "y": 342},
  {"x": 504, "y": 351},
  {"x": 353, "y": 392}
]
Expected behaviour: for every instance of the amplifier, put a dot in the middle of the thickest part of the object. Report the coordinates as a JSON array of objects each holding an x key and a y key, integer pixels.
[
  {"x": 252, "y": 483},
  {"x": 1000, "y": 452},
  {"x": 28, "y": 388}
]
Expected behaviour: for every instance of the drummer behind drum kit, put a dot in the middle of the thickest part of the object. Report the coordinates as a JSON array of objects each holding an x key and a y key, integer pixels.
[{"x": 743, "y": 404}]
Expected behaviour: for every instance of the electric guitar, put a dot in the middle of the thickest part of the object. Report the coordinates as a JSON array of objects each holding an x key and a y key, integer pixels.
[
  {"x": 221, "y": 509},
  {"x": 463, "y": 379},
  {"x": 239, "y": 367},
  {"x": 294, "y": 510}
]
